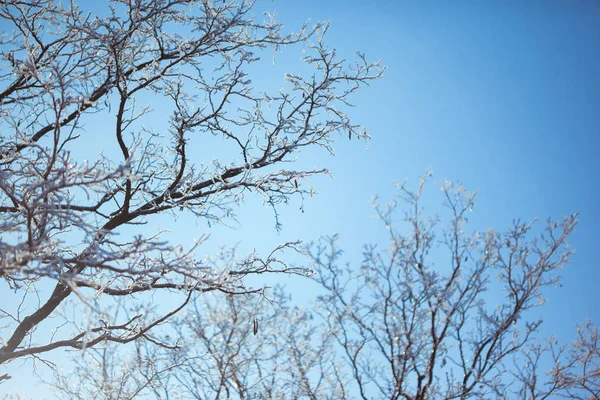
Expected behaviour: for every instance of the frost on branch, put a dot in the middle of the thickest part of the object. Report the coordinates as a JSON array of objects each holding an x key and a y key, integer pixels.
[
  {"x": 106, "y": 122},
  {"x": 416, "y": 320},
  {"x": 234, "y": 347}
]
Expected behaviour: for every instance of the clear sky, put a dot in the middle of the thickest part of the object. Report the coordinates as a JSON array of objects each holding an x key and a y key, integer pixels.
[{"x": 503, "y": 96}]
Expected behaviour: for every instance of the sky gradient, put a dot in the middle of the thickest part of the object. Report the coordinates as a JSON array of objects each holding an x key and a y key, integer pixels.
[{"x": 502, "y": 96}]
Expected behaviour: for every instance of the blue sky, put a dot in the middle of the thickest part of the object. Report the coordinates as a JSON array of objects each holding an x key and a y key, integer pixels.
[{"x": 502, "y": 96}]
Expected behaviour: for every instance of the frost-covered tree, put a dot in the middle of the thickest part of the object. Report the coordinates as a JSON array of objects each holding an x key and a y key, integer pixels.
[
  {"x": 102, "y": 115},
  {"x": 232, "y": 347},
  {"x": 446, "y": 312},
  {"x": 443, "y": 312}
]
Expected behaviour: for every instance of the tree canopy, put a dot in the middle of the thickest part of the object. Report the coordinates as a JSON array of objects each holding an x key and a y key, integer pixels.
[
  {"x": 114, "y": 116},
  {"x": 64, "y": 216}
]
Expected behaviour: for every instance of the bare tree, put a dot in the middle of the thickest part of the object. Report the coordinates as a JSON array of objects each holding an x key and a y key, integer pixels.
[
  {"x": 415, "y": 321},
  {"x": 575, "y": 373},
  {"x": 232, "y": 347},
  {"x": 66, "y": 207}
]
